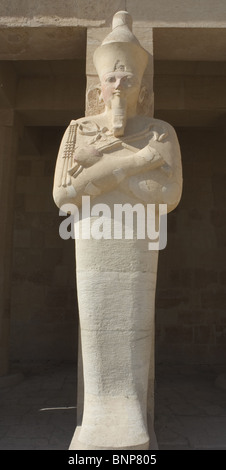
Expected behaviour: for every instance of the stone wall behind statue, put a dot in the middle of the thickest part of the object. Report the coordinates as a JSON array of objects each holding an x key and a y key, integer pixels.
[
  {"x": 191, "y": 291},
  {"x": 43, "y": 299}
]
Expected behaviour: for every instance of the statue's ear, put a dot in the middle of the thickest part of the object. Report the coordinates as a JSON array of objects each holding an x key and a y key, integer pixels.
[{"x": 142, "y": 94}]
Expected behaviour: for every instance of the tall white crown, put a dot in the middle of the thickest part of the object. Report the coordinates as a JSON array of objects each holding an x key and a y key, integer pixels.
[{"x": 121, "y": 46}]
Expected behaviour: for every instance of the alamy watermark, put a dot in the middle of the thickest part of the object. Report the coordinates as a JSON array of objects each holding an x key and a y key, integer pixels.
[{"x": 140, "y": 221}]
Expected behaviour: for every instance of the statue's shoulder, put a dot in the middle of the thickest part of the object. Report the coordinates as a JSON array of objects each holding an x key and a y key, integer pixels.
[
  {"x": 158, "y": 130},
  {"x": 87, "y": 120},
  {"x": 151, "y": 121},
  {"x": 88, "y": 126},
  {"x": 89, "y": 130},
  {"x": 162, "y": 126}
]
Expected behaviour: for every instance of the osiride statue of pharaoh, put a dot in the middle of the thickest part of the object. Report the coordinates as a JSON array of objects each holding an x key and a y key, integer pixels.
[{"x": 117, "y": 157}]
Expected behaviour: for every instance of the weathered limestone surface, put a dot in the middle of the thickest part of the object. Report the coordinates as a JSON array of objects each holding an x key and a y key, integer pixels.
[
  {"x": 118, "y": 156},
  {"x": 49, "y": 30},
  {"x": 87, "y": 12}
]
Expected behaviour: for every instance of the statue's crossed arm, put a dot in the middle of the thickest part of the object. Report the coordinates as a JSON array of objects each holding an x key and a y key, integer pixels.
[{"x": 94, "y": 169}]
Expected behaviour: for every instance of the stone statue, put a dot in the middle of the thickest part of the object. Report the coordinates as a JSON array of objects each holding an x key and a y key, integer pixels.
[{"x": 117, "y": 157}]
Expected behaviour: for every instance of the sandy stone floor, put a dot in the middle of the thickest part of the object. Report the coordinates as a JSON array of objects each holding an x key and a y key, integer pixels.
[
  {"x": 40, "y": 411},
  {"x": 190, "y": 409}
]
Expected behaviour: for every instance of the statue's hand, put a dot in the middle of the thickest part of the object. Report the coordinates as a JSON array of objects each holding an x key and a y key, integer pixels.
[
  {"x": 146, "y": 159},
  {"x": 148, "y": 153},
  {"x": 153, "y": 157},
  {"x": 84, "y": 157},
  {"x": 87, "y": 156}
]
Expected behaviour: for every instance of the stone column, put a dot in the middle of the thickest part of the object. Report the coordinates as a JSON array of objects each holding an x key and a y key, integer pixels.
[{"x": 8, "y": 146}]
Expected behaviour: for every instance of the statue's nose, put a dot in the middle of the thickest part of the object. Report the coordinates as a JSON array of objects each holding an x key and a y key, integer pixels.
[{"x": 118, "y": 84}]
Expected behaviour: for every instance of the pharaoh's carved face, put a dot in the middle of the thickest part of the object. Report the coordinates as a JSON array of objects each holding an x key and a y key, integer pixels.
[
  {"x": 122, "y": 84},
  {"x": 120, "y": 91}
]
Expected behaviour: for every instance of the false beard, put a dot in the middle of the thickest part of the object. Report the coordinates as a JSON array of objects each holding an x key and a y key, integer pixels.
[{"x": 118, "y": 107}]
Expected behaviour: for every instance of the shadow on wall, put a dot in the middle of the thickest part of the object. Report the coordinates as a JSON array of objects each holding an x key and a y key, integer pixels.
[
  {"x": 191, "y": 290},
  {"x": 43, "y": 300}
]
